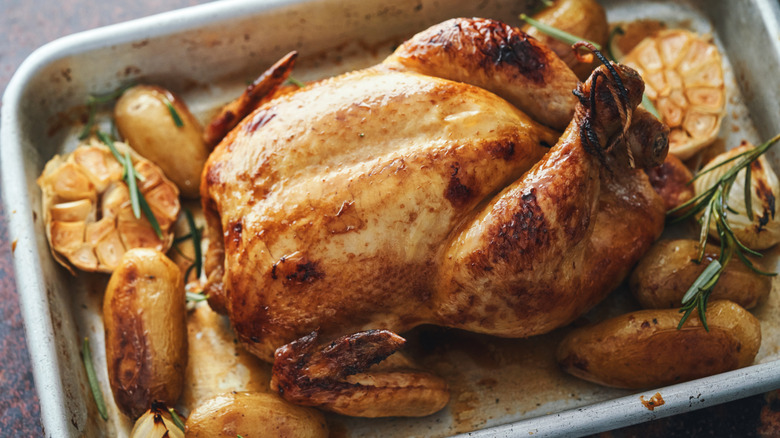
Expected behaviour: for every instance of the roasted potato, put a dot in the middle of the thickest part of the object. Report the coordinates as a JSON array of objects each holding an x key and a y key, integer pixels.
[
  {"x": 667, "y": 271},
  {"x": 583, "y": 18},
  {"x": 254, "y": 414},
  {"x": 645, "y": 349},
  {"x": 144, "y": 119},
  {"x": 146, "y": 334}
]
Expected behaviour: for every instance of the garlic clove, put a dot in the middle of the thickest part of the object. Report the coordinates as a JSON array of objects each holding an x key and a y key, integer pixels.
[
  {"x": 73, "y": 211},
  {"x": 156, "y": 423}
]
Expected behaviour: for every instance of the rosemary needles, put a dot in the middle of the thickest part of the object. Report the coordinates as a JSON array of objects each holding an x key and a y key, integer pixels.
[
  {"x": 95, "y": 100},
  {"x": 137, "y": 200},
  {"x": 713, "y": 205},
  {"x": 94, "y": 386},
  {"x": 556, "y": 33},
  {"x": 197, "y": 265},
  {"x": 176, "y": 419}
]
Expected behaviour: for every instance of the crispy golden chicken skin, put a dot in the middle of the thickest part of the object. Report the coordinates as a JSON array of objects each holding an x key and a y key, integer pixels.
[
  {"x": 497, "y": 57},
  {"x": 372, "y": 202}
]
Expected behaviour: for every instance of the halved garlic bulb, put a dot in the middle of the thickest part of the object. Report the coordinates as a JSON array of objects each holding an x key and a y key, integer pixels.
[
  {"x": 764, "y": 230},
  {"x": 683, "y": 76},
  {"x": 88, "y": 212},
  {"x": 156, "y": 423}
]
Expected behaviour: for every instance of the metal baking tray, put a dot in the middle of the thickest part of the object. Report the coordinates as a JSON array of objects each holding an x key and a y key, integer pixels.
[{"x": 206, "y": 54}]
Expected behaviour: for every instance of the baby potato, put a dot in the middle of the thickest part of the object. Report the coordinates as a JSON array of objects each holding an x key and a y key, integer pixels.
[
  {"x": 146, "y": 123},
  {"x": 254, "y": 414},
  {"x": 146, "y": 333},
  {"x": 645, "y": 349},
  {"x": 667, "y": 271},
  {"x": 583, "y": 18}
]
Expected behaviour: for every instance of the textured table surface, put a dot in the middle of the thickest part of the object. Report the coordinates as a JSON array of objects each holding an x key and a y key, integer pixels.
[{"x": 28, "y": 24}]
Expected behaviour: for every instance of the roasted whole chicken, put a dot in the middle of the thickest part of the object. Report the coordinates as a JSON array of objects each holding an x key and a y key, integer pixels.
[{"x": 432, "y": 188}]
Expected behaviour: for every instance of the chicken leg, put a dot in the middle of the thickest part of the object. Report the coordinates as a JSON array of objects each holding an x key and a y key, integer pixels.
[{"x": 559, "y": 239}]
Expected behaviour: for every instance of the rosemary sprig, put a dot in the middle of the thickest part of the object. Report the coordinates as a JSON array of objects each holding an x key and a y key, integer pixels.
[
  {"x": 694, "y": 299},
  {"x": 197, "y": 265},
  {"x": 108, "y": 141},
  {"x": 93, "y": 101},
  {"x": 137, "y": 200},
  {"x": 132, "y": 186},
  {"x": 86, "y": 356},
  {"x": 717, "y": 166},
  {"x": 650, "y": 107},
  {"x": 558, "y": 34},
  {"x": 183, "y": 238},
  {"x": 148, "y": 212},
  {"x": 174, "y": 114},
  {"x": 295, "y": 82},
  {"x": 713, "y": 202},
  {"x": 196, "y": 297},
  {"x": 176, "y": 419}
]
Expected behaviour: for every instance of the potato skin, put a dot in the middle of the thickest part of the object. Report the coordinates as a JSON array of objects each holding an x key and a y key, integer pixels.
[
  {"x": 583, "y": 18},
  {"x": 145, "y": 122},
  {"x": 146, "y": 335},
  {"x": 254, "y": 414},
  {"x": 644, "y": 349},
  {"x": 666, "y": 272}
]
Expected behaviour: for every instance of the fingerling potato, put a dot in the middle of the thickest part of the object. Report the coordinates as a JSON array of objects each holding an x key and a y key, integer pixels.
[
  {"x": 645, "y": 349},
  {"x": 254, "y": 414},
  {"x": 145, "y": 121},
  {"x": 667, "y": 271},
  {"x": 585, "y": 19},
  {"x": 146, "y": 334}
]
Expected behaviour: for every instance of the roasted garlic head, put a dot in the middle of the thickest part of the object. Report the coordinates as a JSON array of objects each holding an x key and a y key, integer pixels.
[
  {"x": 87, "y": 210},
  {"x": 683, "y": 77},
  {"x": 763, "y": 231}
]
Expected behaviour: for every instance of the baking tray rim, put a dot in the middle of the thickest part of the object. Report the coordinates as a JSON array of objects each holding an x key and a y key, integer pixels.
[{"x": 34, "y": 303}]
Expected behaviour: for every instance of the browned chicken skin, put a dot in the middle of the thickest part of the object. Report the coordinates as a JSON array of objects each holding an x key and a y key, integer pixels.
[
  {"x": 383, "y": 199},
  {"x": 497, "y": 57}
]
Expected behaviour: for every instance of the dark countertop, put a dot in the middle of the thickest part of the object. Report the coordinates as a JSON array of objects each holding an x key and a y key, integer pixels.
[{"x": 28, "y": 24}]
